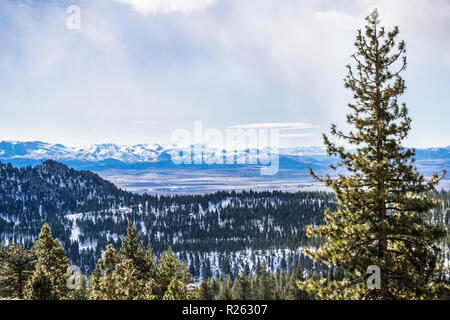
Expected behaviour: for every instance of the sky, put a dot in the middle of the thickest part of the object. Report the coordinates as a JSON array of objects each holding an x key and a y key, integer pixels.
[{"x": 136, "y": 70}]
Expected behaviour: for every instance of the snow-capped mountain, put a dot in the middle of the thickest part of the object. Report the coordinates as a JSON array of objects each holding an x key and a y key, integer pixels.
[
  {"x": 141, "y": 156},
  {"x": 37, "y": 150}
]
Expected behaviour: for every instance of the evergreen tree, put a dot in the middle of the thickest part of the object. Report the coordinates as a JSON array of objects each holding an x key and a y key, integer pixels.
[
  {"x": 266, "y": 284},
  {"x": 15, "y": 268},
  {"x": 169, "y": 270},
  {"x": 107, "y": 289},
  {"x": 49, "y": 279},
  {"x": 137, "y": 268},
  {"x": 213, "y": 283},
  {"x": 225, "y": 290},
  {"x": 382, "y": 206},
  {"x": 176, "y": 290},
  {"x": 242, "y": 289},
  {"x": 130, "y": 285},
  {"x": 94, "y": 283},
  {"x": 205, "y": 292},
  {"x": 133, "y": 250},
  {"x": 81, "y": 293},
  {"x": 294, "y": 292}
]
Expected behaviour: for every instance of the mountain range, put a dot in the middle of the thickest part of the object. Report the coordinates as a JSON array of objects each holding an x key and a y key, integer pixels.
[
  {"x": 31, "y": 151},
  {"x": 149, "y": 167}
]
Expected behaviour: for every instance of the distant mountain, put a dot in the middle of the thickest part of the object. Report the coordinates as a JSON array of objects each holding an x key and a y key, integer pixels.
[
  {"x": 52, "y": 188},
  {"x": 37, "y": 150},
  {"x": 111, "y": 156},
  {"x": 148, "y": 168}
]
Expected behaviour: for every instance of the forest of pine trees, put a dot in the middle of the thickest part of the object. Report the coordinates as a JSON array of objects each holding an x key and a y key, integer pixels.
[
  {"x": 132, "y": 272},
  {"x": 129, "y": 273}
]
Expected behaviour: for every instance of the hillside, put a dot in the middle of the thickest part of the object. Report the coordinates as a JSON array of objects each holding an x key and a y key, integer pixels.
[
  {"x": 51, "y": 188},
  {"x": 224, "y": 231}
]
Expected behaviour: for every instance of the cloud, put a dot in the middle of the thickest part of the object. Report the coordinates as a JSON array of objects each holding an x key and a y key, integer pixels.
[
  {"x": 225, "y": 62},
  {"x": 306, "y": 44},
  {"x": 167, "y": 6},
  {"x": 276, "y": 125}
]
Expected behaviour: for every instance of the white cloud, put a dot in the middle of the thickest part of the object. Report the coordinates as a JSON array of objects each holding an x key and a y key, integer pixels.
[
  {"x": 276, "y": 125},
  {"x": 167, "y": 6},
  {"x": 306, "y": 44},
  {"x": 235, "y": 61}
]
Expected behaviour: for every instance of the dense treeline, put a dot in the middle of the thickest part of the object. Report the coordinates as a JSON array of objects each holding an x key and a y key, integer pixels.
[
  {"x": 133, "y": 272},
  {"x": 86, "y": 213},
  {"x": 224, "y": 232},
  {"x": 43, "y": 273}
]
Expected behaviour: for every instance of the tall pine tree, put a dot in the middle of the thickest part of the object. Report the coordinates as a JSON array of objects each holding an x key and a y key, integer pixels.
[
  {"x": 266, "y": 284},
  {"x": 380, "y": 219},
  {"x": 105, "y": 286},
  {"x": 15, "y": 268},
  {"x": 242, "y": 289},
  {"x": 172, "y": 274},
  {"x": 204, "y": 291},
  {"x": 137, "y": 269},
  {"x": 49, "y": 279}
]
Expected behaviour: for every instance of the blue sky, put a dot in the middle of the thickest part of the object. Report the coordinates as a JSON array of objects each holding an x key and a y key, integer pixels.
[{"x": 139, "y": 69}]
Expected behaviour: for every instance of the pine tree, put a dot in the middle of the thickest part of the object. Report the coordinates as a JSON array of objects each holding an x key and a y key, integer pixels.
[
  {"x": 205, "y": 292},
  {"x": 225, "y": 290},
  {"x": 137, "y": 268},
  {"x": 107, "y": 289},
  {"x": 242, "y": 289},
  {"x": 133, "y": 250},
  {"x": 49, "y": 279},
  {"x": 129, "y": 283},
  {"x": 294, "y": 292},
  {"x": 266, "y": 284},
  {"x": 176, "y": 290},
  {"x": 169, "y": 270},
  {"x": 380, "y": 219},
  {"x": 81, "y": 293},
  {"x": 94, "y": 283},
  {"x": 15, "y": 268},
  {"x": 213, "y": 283}
]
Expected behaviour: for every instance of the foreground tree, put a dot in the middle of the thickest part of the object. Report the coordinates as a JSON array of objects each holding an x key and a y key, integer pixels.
[
  {"x": 242, "y": 287},
  {"x": 204, "y": 291},
  {"x": 172, "y": 278},
  {"x": 133, "y": 250},
  {"x": 137, "y": 268},
  {"x": 132, "y": 273},
  {"x": 381, "y": 218},
  {"x": 103, "y": 282},
  {"x": 225, "y": 292},
  {"x": 15, "y": 268},
  {"x": 49, "y": 279}
]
